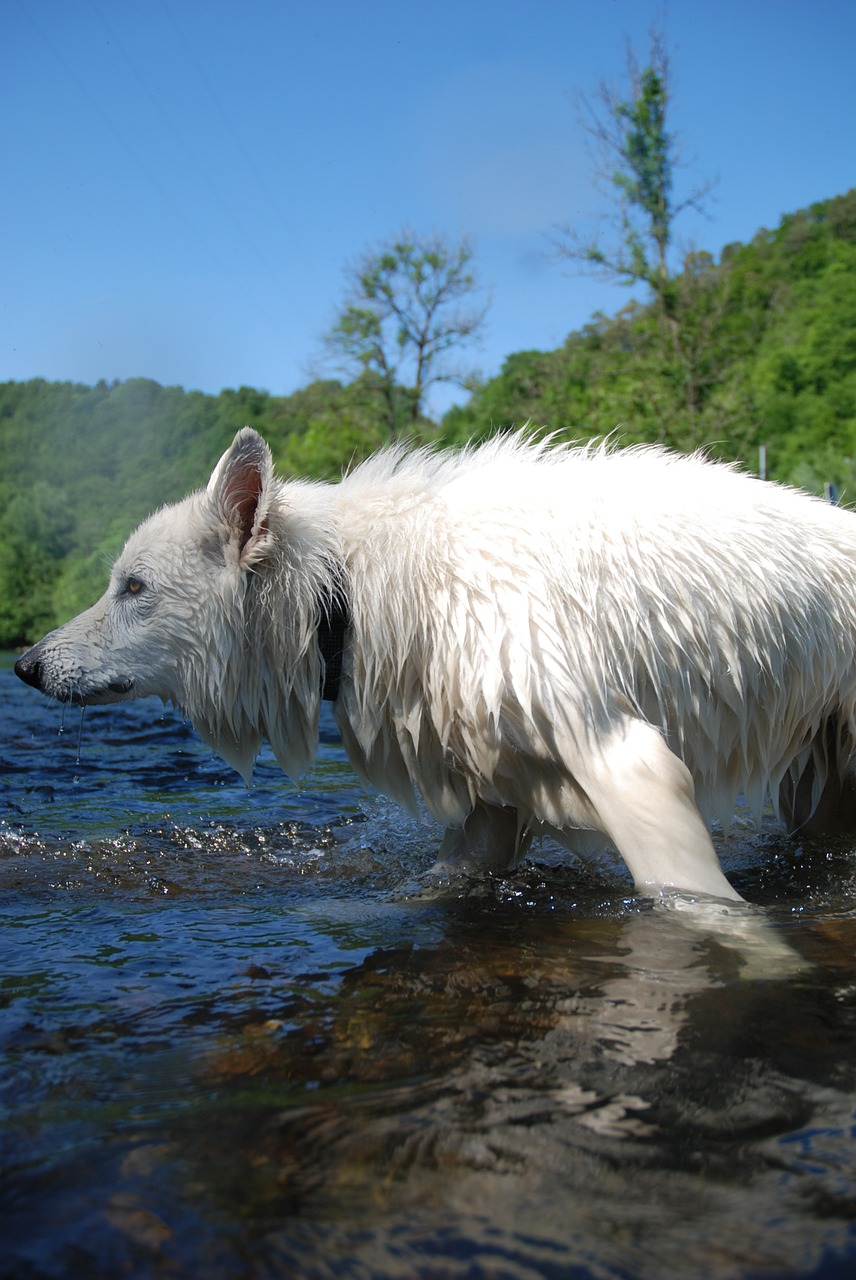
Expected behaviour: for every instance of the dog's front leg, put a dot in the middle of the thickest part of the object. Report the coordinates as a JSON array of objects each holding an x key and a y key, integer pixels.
[
  {"x": 645, "y": 800},
  {"x": 491, "y": 839}
]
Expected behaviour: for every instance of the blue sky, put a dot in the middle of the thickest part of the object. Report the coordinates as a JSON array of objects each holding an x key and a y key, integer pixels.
[{"x": 185, "y": 181}]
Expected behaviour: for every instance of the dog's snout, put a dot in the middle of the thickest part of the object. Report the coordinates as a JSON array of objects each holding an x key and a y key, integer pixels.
[{"x": 29, "y": 669}]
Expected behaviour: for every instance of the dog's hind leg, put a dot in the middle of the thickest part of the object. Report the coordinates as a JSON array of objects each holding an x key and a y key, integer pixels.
[
  {"x": 645, "y": 801},
  {"x": 834, "y": 813},
  {"x": 491, "y": 839}
]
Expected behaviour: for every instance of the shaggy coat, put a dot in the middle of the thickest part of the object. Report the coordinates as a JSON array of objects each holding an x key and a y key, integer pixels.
[{"x": 607, "y": 645}]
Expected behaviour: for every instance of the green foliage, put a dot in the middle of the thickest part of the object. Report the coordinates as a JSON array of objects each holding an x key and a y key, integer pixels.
[
  {"x": 34, "y": 539},
  {"x": 341, "y": 427},
  {"x": 645, "y": 183},
  {"x": 767, "y": 356}
]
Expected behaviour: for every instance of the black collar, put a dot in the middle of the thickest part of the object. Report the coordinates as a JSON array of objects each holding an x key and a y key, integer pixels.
[{"x": 333, "y": 623}]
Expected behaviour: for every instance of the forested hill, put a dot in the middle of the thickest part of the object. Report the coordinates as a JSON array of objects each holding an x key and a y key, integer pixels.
[
  {"x": 81, "y": 466},
  {"x": 758, "y": 348}
]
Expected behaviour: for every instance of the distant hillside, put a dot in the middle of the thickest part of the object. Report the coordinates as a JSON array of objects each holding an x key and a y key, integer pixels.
[
  {"x": 80, "y": 467},
  {"x": 767, "y": 356}
]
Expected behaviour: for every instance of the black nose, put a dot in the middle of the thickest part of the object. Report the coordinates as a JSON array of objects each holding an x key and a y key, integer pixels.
[{"x": 29, "y": 668}]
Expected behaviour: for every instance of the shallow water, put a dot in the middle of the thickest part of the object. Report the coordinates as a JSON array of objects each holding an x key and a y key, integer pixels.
[{"x": 243, "y": 1035}]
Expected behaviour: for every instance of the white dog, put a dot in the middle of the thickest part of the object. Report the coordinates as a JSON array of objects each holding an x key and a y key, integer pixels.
[{"x": 533, "y": 637}]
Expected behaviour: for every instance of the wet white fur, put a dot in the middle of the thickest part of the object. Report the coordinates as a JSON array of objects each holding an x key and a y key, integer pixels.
[{"x": 549, "y": 638}]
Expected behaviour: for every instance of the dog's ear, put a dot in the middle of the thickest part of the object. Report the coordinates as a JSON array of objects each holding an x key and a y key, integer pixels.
[{"x": 241, "y": 487}]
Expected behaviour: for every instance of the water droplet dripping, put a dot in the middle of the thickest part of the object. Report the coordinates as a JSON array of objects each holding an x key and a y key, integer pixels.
[{"x": 80, "y": 734}]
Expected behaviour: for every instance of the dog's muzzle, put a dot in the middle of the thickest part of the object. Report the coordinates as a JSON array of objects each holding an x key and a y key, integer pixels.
[{"x": 29, "y": 668}]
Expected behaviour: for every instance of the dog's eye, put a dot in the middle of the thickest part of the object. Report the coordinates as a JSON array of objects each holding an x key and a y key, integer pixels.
[{"x": 134, "y": 587}]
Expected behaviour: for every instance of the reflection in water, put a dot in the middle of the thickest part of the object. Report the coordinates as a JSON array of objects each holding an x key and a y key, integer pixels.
[
  {"x": 491, "y": 1094},
  {"x": 244, "y": 1036}
]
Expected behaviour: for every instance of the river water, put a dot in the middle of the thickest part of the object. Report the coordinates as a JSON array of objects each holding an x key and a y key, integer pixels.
[{"x": 244, "y": 1035}]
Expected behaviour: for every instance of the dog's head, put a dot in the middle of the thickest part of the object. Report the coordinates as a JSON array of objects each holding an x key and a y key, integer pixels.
[{"x": 171, "y": 618}]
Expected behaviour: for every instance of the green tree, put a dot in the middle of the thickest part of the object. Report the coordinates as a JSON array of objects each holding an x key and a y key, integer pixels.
[
  {"x": 637, "y": 157},
  {"x": 411, "y": 306}
]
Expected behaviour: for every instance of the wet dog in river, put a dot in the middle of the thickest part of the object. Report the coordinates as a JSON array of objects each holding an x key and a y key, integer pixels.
[{"x": 607, "y": 645}]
